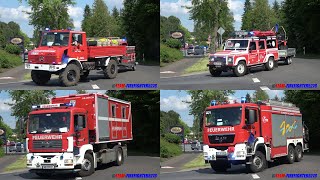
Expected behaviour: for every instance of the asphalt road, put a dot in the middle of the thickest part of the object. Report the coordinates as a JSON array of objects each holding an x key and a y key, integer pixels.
[
  {"x": 144, "y": 75},
  {"x": 305, "y": 71},
  {"x": 309, "y": 165},
  {"x": 132, "y": 165}
]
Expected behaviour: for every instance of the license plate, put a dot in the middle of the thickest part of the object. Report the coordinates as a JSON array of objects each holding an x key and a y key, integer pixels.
[
  {"x": 217, "y": 63},
  {"x": 222, "y": 153},
  {"x": 47, "y": 167}
]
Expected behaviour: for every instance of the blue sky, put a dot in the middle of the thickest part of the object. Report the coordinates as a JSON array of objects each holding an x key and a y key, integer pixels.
[
  {"x": 13, "y": 10},
  {"x": 5, "y": 110},
  {"x": 174, "y": 7},
  {"x": 173, "y": 100}
]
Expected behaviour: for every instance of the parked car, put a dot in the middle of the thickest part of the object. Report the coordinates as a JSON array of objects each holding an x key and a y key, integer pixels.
[
  {"x": 195, "y": 146},
  {"x": 198, "y": 50},
  {"x": 190, "y": 50},
  {"x": 19, "y": 147},
  {"x": 12, "y": 147}
]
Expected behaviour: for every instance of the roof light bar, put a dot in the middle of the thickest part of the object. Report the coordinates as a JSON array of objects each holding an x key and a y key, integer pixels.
[{"x": 46, "y": 106}]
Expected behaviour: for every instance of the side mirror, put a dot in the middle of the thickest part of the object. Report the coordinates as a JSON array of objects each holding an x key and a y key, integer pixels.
[{"x": 251, "y": 116}]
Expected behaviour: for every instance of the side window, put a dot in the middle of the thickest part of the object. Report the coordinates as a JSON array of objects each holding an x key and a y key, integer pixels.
[
  {"x": 77, "y": 37},
  {"x": 253, "y": 45},
  {"x": 113, "y": 110},
  {"x": 123, "y": 112},
  {"x": 271, "y": 44},
  {"x": 247, "y": 116},
  {"x": 261, "y": 45},
  {"x": 79, "y": 121}
]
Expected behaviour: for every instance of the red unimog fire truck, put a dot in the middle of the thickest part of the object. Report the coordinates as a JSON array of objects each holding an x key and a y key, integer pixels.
[
  {"x": 76, "y": 133},
  {"x": 241, "y": 54},
  {"x": 68, "y": 54},
  {"x": 252, "y": 134}
]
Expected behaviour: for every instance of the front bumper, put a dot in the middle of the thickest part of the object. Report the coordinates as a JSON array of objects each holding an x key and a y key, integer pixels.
[
  {"x": 212, "y": 154},
  {"x": 51, "y": 161},
  {"x": 222, "y": 67},
  {"x": 45, "y": 67}
]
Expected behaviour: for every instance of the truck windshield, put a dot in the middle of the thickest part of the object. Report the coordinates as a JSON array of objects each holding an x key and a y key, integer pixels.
[
  {"x": 237, "y": 44},
  {"x": 49, "y": 122},
  {"x": 223, "y": 116},
  {"x": 55, "y": 39}
]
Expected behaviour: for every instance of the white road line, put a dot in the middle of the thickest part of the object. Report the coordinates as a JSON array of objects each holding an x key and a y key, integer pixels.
[
  {"x": 167, "y": 72},
  {"x": 255, "y": 176},
  {"x": 6, "y": 78},
  {"x": 78, "y": 178},
  {"x": 167, "y": 167},
  {"x": 94, "y": 86},
  {"x": 255, "y": 80},
  {"x": 264, "y": 88}
]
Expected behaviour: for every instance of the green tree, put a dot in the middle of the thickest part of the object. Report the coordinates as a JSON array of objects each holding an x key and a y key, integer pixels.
[
  {"x": 115, "y": 13},
  {"x": 86, "y": 24},
  {"x": 246, "y": 16},
  {"x": 5, "y": 127},
  {"x": 260, "y": 95},
  {"x": 276, "y": 98},
  {"x": 248, "y": 98},
  {"x": 102, "y": 24},
  {"x": 261, "y": 15}
]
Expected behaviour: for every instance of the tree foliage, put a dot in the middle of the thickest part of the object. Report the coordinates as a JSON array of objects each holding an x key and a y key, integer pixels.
[
  {"x": 171, "y": 118},
  {"x": 248, "y": 98},
  {"x": 86, "y": 24},
  {"x": 9, "y": 30},
  {"x": 260, "y": 95},
  {"x": 308, "y": 102},
  {"x": 246, "y": 16}
]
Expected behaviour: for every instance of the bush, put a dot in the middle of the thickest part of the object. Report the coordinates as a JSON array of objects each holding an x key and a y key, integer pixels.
[
  {"x": 9, "y": 60},
  {"x": 168, "y": 54},
  {"x": 13, "y": 49},
  {"x": 173, "y": 43},
  {"x": 168, "y": 149},
  {"x": 172, "y": 138}
]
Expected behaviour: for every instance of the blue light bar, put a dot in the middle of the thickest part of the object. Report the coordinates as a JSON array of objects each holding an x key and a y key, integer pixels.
[
  {"x": 251, "y": 33},
  {"x": 243, "y": 99},
  {"x": 47, "y": 29},
  {"x": 213, "y": 102},
  {"x": 69, "y": 28}
]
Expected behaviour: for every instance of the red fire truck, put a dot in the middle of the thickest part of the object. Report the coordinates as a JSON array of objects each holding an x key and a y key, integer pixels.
[
  {"x": 260, "y": 48},
  {"x": 252, "y": 134},
  {"x": 68, "y": 54},
  {"x": 76, "y": 133}
]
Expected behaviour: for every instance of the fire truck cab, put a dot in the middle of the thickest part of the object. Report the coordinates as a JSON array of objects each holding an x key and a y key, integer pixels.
[{"x": 252, "y": 134}]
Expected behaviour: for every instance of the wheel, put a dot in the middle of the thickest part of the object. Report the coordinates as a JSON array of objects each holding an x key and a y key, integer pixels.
[
  {"x": 298, "y": 153},
  {"x": 290, "y": 157},
  {"x": 240, "y": 69},
  {"x": 44, "y": 175},
  {"x": 70, "y": 76},
  {"x": 259, "y": 162},
  {"x": 85, "y": 75},
  {"x": 218, "y": 167},
  {"x": 40, "y": 77},
  {"x": 111, "y": 70},
  {"x": 270, "y": 64},
  {"x": 119, "y": 158},
  {"x": 87, "y": 166},
  {"x": 215, "y": 73},
  {"x": 134, "y": 67},
  {"x": 288, "y": 60}
]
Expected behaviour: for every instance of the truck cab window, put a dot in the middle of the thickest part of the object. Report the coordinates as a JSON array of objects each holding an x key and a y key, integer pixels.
[
  {"x": 113, "y": 110},
  {"x": 123, "y": 112},
  {"x": 247, "y": 115},
  {"x": 252, "y": 45},
  {"x": 79, "y": 121},
  {"x": 261, "y": 45}
]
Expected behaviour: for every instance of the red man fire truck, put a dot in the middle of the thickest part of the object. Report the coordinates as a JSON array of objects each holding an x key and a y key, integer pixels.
[
  {"x": 68, "y": 54},
  {"x": 252, "y": 134},
  {"x": 76, "y": 133}
]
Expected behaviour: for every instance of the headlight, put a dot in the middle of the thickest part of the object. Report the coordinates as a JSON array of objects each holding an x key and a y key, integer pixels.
[
  {"x": 68, "y": 161},
  {"x": 27, "y": 66},
  {"x": 211, "y": 59},
  {"x": 230, "y": 60}
]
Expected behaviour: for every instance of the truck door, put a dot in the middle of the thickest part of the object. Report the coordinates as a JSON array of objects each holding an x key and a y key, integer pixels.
[
  {"x": 78, "y": 48},
  {"x": 81, "y": 129},
  {"x": 255, "y": 127},
  {"x": 262, "y": 51},
  {"x": 253, "y": 53}
]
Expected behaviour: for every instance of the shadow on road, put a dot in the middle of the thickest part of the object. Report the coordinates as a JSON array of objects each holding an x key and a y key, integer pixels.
[
  {"x": 238, "y": 169},
  {"x": 27, "y": 175}
]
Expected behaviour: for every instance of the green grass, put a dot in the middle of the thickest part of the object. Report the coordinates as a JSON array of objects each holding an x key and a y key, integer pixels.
[
  {"x": 9, "y": 60},
  {"x": 27, "y": 76},
  {"x": 200, "y": 66},
  {"x": 21, "y": 163},
  {"x": 197, "y": 162}
]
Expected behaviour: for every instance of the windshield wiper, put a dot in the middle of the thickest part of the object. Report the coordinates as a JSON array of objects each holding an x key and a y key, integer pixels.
[
  {"x": 40, "y": 130},
  {"x": 55, "y": 130}
]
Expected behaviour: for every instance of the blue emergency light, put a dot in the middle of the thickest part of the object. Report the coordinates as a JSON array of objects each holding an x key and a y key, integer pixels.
[
  {"x": 251, "y": 33},
  {"x": 47, "y": 29},
  {"x": 243, "y": 99},
  {"x": 213, "y": 102},
  {"x": 69, "y": 28}
]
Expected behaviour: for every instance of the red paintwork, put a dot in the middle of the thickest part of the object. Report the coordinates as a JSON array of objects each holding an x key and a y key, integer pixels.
[{"x": 86, "y": 104}]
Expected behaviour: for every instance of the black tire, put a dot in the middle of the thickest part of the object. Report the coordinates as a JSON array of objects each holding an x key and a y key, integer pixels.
[
  {"x": 218, "y": 167},
  {"x": 270, "y": 64},
  {"x": 44, "y": 175},
  {"x": 70, "y": 76},
  {"x": 40, "y": 77},
  {"x": 214, "y": 73},
  {"x": 288, "y": 60},
  {"x": 119, "y": 157},
  {"x": 111, "y": 70},
  {"x": 88, "y": 167},
  {"x": 290, "y": 157},
  {"x": 134, "y": 67},
  {"x": 240, "y": 69},
  {"x": 85, "y": 75},
  {"x": 259, "y": 162},
  {"x": 298, "y": 153}
]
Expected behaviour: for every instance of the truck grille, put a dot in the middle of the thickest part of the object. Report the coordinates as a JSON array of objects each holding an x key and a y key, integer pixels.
[
  {"x": 220, "y": 59},
  {"x": 223, "y": 138},
  {"x": 52, "y": 144}
]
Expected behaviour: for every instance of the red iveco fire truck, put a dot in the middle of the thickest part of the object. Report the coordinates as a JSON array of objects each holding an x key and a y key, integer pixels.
[
  {"x": 260, "y": 48},
  {"x": 252, "y": 134},
  {"x": 76, "y": 133},
  {"x": 68, "y": 54}
]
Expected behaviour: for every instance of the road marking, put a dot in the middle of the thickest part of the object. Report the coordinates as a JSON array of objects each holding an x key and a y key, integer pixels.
[
  {"x": 167, "y": 72},
  {"x": 255, "y": 80},
  {"x": 78, "y": 178},
  {"x": 264, "y": 88},
  {"x": 167, "y": 167},
  {"x": 94, "y": 86},
  {"x": 255, "y": 176},
  {"x": 6, "y": 77}
]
